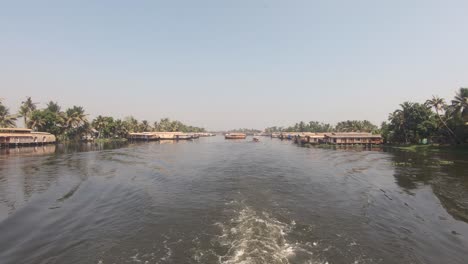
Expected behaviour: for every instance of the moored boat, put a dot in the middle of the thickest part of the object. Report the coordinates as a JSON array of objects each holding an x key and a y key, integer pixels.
[
  {"x": 22, "y": 136},
  {"x": 235, "y": 136}
]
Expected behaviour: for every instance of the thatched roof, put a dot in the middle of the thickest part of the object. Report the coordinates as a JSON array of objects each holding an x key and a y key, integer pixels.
[
  {"x": 236, "y": 134},
  {"x": 22, "y": 135},
  {"x": 367, "y": 135},
  {"x": 14, "y": 129}
]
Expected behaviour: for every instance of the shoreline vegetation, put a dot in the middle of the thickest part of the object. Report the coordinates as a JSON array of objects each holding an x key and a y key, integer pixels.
[
  {"x": 426, "y": 126},
  {"x": 433, "y": 124},
  {"x": 73, "y": 125}
]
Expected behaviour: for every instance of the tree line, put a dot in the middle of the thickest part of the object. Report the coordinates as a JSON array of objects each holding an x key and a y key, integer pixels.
[
  {"x": 73, "y": 124},
  {"x": 248, "y": 131},
  {"x": 433, "y": 121},
  {"x": 319, "y": 127}
]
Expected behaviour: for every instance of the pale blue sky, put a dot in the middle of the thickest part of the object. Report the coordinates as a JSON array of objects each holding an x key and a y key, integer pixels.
[{"x": 229, "y": 64}]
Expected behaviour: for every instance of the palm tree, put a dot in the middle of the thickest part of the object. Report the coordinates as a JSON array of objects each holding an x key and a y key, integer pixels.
[
  {"x": 53, "y": 107},
  {"x": 99, "y": 123},
  {"x": 36, "y": 121},
  {"x": 144, "y": 126},
  {"x": 439, "y": 104},
  {"x": 6, "y": 120},
  {"x": 165, "y": 125},
  {"x": 460, "y": 104},
  {"x": 26, "y": 109},
  {"x": 121, "y": 129},
  {"x": 397, "y": 118},
  {"x": 75, "y": 117},
  {"x": 132, "y": 123}
]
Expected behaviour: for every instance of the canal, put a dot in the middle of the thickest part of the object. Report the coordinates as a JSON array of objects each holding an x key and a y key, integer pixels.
[{"x": 217, "y": 201}]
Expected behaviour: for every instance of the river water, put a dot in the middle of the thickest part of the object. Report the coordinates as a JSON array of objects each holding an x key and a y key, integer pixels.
[{"x": 218, "y": 201}]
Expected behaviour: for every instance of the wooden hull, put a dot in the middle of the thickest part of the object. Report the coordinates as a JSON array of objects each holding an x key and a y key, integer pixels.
[
  {"x": 234, "y": 137},
  {"x": 183, "y": 137},
  {"x": 25, "y": 139}
]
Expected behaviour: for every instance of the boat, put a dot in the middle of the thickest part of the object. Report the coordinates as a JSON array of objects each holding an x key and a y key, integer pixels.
[
  {"x": 256, "y": 139},
  {"x": 183, "y": 137},
  {"x": 23, "y": 136},
  {"x": 235, "y": 136}
]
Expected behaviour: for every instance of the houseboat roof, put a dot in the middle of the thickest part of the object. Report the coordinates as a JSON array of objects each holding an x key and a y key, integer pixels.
[
  {"x": 236, "y": 134},
  {"x": 353, "y": 136},
  {"x": 14, "y": 129}
]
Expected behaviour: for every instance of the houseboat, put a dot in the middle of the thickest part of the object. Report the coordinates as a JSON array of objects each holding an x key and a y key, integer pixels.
[
  {"x": 151, "y": 136},
  {"x": 352, "y": 138},
  {"x": 275, "y": 135},
  {"x": 310, "y": 138},
  {"x": 23, "y": 136},
  {"x": 235, "y": 136},
  {"x": 288, "y": 135},
  {"x": 143, "y": 136}
]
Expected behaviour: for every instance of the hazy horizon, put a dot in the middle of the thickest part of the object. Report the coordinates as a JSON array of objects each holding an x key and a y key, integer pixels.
[{"x": 237, "y": 64}]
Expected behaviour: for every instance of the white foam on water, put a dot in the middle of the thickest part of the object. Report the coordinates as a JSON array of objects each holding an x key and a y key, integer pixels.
[
  {"x": 168, "y": 251},
  {"x": 257, "y": 237}
]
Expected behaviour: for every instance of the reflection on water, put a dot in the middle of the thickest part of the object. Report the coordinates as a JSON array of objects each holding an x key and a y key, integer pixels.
[
  {"x": 446, "y": 173},
  {"x": 24, "y": 151},
  {"x": 217, "y": 201}
]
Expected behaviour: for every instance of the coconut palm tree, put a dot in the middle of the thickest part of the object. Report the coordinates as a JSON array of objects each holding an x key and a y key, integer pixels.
[
  {"x": 439, "y": 105},
  {"x": 460, "y": 104},
  {"x": 397, "y": 119},
  {"x": 144, "y": 126},
  {"x": 132, "y": 123},
  {"x": 26, "y": 109},
  {"x": 99, "y": 123},
  {"x": 6, "y": 120},
  {"x": 75, "y": 117},
  {"x": 121, "y": 129},
  {"x": 53, "y": 107},
  {"x": 36, "y": 121}
]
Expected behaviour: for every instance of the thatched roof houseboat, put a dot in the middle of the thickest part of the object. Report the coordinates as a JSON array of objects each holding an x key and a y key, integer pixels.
[
  {"x": 151, "y": 136},
  {"x": 288, "y": 135},
  {"x": 353, "y": 138},
  {"x": 275, "y": 135},
  {"x": 310, "y": 138},
  {"x": 235, "y": 136},
  {"x": 23, "y": 136}
]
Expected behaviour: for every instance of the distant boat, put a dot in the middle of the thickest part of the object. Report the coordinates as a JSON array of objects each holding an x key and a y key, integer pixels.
[
  {"x": 235, "y": 136},
  {"x": 183, "y": 137}
]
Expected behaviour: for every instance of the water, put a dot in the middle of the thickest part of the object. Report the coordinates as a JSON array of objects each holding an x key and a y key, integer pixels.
[{"x": 218, "y": 201}]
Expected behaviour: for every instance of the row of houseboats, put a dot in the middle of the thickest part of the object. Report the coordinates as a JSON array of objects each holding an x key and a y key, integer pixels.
[
  {"x": 153, "y": 136},
  {"x": 332, "y": 138},
  {"x": 24, "y": 137},
  {"x": 21, "y": 136}
]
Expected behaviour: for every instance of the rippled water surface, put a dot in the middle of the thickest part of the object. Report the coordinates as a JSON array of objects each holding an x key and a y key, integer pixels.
[{"x": 218, "y": 201}]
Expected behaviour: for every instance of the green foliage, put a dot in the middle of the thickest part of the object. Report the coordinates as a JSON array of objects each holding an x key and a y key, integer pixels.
[
  {"x": 6, "y": 119},
  {"x": 249, "y": 131},
  {"x": 312, "y": 126},
  {"x": 319, "y": 127},
  {"x": 26, "y": 109},
  {"x": 410, "y": 124},
  {"x": 166, "y": 125},
  {"x": 46, "y": 121},
  {"x": 356, "y": 126},
  {"x": 460, "y": 104},
  {"x": 414, "y": 122}
]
